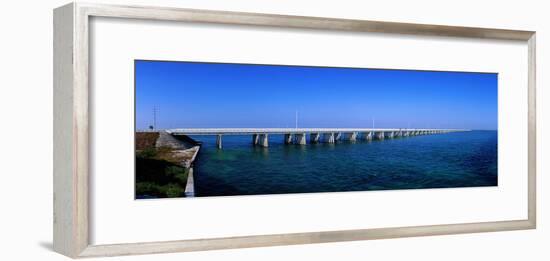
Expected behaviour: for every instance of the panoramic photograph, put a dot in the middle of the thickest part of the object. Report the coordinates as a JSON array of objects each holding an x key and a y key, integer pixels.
[{"x": 226, "y": 129}]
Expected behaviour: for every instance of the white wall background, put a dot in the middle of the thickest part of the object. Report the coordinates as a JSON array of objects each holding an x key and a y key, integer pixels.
[{"x": 26, "y": 130}]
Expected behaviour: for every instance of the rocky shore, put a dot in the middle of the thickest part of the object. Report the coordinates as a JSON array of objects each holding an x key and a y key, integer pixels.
[{"x": 164, "y": 165}]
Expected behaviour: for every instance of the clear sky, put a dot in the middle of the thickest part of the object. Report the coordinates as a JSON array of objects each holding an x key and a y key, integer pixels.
[{"x": 216, "y": 95}]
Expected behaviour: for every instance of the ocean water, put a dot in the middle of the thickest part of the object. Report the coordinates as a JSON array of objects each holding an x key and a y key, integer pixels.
[{"x": 460, "y": 159}]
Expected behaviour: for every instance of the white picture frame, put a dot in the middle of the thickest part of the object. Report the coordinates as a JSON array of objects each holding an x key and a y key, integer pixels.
[{"x": 72, "y": 128}]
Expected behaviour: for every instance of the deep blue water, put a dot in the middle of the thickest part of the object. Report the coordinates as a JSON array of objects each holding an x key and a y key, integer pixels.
[{"x": 461, "y": 159}]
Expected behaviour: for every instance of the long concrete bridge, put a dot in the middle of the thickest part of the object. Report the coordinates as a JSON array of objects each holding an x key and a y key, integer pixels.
[{"x": 260, "y": 136}]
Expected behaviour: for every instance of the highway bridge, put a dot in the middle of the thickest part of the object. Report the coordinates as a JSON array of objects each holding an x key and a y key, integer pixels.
[{"x": 260, "y": 136}]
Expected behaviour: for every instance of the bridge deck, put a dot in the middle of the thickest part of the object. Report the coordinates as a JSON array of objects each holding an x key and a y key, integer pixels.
[{"x": 241, "y": 131}]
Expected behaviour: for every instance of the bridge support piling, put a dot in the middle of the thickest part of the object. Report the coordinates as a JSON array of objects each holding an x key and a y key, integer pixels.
[
  {"x": 301, "y": 138},
  {"x": 352, "y": 136},
  {"x": 254, "y": 139},
  {"x": 288, "y": 138},
  {"x": 338, "y": 136},
  {"x": 314, "y": 137},
  {"x": 379, "y": 135},
  {"x": 264, "y": 140},
  {"x": 219, "y": 141},
  {"x": 367, "y": 135},
  {"x": 328, "y": 137}
]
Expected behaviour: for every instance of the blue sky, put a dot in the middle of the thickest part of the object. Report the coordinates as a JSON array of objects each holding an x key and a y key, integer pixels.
[{"x": 210, "y": 95}]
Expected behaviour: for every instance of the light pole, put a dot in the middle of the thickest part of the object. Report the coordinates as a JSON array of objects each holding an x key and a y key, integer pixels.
[
  {"x": 296, "y": 119},
  {"x": 154, "y": 117}
]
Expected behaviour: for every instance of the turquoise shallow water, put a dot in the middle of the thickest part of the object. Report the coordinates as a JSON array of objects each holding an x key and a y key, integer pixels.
[{"x": 461, "y": 159}]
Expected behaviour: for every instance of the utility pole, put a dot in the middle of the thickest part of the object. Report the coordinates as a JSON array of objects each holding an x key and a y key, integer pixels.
[
  {"x": 372, "y": 122},
  {"x": 296, "y": 119},
  {"x": 155, "y": 117}
]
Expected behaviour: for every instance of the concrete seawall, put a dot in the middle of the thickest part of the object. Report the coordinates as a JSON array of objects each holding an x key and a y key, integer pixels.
[
  {"x": 186, "y": 149},
  {"x": 190, "y": 185}
]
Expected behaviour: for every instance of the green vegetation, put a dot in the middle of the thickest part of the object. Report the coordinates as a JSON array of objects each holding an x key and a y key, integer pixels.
[{"x": 157, "y": 175}]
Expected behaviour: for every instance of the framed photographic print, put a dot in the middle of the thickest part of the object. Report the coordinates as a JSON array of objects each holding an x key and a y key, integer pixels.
[{"x": 184, "y": 130}]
